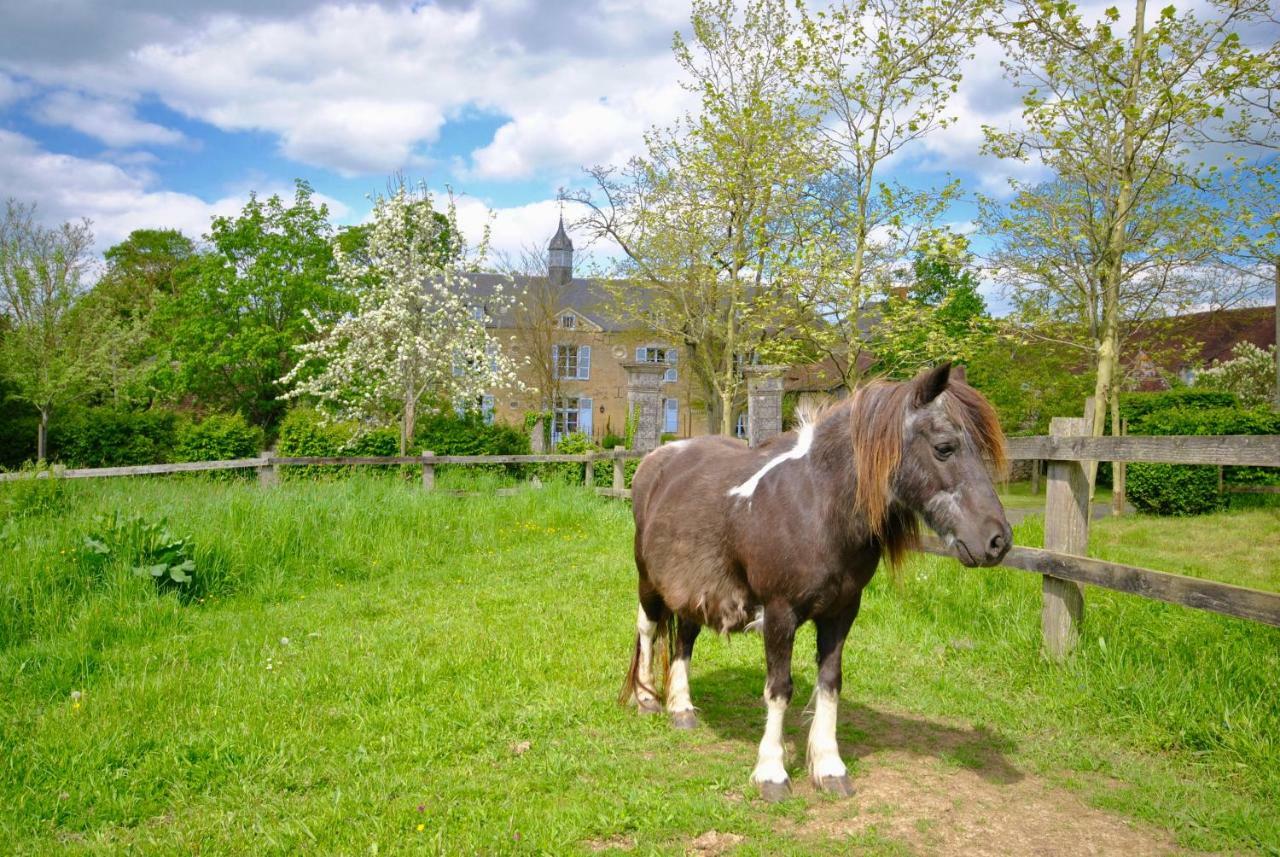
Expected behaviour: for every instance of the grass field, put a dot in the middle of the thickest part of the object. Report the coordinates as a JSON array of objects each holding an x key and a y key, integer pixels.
[{"x": 368, "y": 669}]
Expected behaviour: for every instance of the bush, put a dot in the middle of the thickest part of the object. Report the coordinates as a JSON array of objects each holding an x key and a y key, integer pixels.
[
  {"x": 109, "y": 437},
  {"x": 447, "y": 433},
  {"x": 1135, "y": 407},
  {"x": 18, "y": 425},
  {"x": 1175, "y": 489},
  {"x": 218, "y": 437}
]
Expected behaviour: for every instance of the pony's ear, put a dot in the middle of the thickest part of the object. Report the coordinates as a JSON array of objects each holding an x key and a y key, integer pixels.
[
  {"x": 931, "y": 384},
  {"x": 957, "y": 373}
]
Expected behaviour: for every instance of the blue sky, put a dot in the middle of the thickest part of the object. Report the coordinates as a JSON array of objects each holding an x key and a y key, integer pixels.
[{"x": 154, "y": 114}]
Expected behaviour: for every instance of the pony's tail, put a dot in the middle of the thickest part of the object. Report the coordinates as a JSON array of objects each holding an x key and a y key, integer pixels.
[{"x": 665, "y": 642}]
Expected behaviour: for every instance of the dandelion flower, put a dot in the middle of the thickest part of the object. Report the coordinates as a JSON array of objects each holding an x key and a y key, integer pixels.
[{"x": 421, "y": 827}]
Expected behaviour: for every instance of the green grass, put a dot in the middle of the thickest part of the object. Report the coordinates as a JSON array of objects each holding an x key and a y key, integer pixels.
[{"x": 429, "y": 636}]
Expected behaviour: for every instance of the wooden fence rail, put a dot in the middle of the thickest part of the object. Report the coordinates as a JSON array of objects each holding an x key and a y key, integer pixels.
[{"x": 1063, "y": 563}]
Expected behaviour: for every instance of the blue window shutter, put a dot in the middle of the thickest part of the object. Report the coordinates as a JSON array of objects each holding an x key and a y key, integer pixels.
[
  {"x": 584, "y": 362},
  {"x": 584, "y": 416},
  {"x": 640, "y": 353},
  {"x": 555, "y": 361},
  {"x": 671, "y": 416}
]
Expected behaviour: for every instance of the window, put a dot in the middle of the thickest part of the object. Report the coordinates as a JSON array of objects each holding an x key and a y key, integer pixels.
[
  {"x": 659, "y": 354},
  {"x": 740, "y": 427},
  {"x": 571, "y": 414},
  {"x": 568, "y": 321},
  {"x": 670, "y": 416},
  {"x": 572, "y": 361},
  {"x": 486, "y": 409},
  {"x": 478, "y": 313}
]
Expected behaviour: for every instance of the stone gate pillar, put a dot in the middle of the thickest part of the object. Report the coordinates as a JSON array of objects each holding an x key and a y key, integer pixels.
[
  {"x": 644, "y": 398},
  {"x": 764, "y": 403}
]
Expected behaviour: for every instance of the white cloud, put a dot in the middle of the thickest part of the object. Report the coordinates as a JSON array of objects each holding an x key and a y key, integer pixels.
[
  {"x": 112, "y": 122},
  {"x": 116, "y": 200},
  {"x": 11, "y": 90},
  {"x": 364, "y": 89},
  {"x": 517, "y": 228}
]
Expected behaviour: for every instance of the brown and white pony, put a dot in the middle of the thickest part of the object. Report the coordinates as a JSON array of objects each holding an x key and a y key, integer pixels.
[{"x": 736, "y": 538}]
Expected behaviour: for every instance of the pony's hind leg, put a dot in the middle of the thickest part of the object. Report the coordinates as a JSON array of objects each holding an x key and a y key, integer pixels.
[
  {"x": 679, "y": 705},
  {"x": 779, "y": 636},
  {"x": 651, "y": 617},
  {"x": 826, "y": 768}
]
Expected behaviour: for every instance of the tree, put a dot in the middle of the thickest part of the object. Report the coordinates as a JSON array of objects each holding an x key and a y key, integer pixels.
[
  {"x": 1248, "y": 374},
  {"x": 48, "y": 358},
  {"x": 708, "y": 219},
  {"x": 1116, "y": 117},
  {"x": 882, "y": 73},
  {"x": 143, "y": 273},
  {"x": 419, "y": 330},
  {"x": 1050, "y": 250},
  {"x": 237, "y": 324},
  {"x": 940, "y": 316}
]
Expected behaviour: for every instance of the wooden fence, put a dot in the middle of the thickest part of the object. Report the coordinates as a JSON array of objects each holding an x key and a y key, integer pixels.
[{"x": 1062, "y": 563}]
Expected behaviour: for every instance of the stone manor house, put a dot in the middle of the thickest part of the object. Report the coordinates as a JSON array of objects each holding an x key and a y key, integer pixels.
[{"x": 589, "y": 345}]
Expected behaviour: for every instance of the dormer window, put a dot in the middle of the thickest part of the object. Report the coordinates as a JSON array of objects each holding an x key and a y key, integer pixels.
[{"x": 568, "y": 321}]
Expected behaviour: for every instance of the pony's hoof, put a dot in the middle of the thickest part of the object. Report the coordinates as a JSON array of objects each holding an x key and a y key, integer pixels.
[
  {"x": 648, "y": 706},
  {"x": 684, "y": 720},
  {"x": 775, "y": 792},
  {"x": 840, "y": 786}
]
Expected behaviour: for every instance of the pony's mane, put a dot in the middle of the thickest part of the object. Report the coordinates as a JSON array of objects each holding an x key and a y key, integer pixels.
[{"x": 876, "y": 418}]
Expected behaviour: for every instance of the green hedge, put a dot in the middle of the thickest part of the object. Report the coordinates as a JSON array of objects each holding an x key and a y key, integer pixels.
[
  {"x": 304, "y": 433},
  {"x": 1135, "y": 407},
  {"x": 1176, "y": 489},
  {"x": 218, "y": 437},
  {"x": 110, "y": 437}
]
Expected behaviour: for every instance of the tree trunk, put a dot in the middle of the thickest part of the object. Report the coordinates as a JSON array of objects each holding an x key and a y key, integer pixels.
[
  {"x": 407, "y": 424},
  {"x": 42, "y": 436},
  {"x": 1112, "y": 268}
]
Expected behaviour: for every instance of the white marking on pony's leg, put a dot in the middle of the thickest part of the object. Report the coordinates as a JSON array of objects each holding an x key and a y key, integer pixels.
[
  {"x": 678, "y": 687},
  {"x": 823, "y": 754},
  {"x": 756, "y": 624},
  {"x": 646, "y": 630},
  {"x": 769, "y": 764},
  {"x": 800, "y": 450}
]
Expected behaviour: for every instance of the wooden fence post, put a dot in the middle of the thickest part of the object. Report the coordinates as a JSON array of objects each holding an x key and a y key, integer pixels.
[
  {"x": 428, "y": 471},
  {"x": 268, "y": 474},
  {"x": 1066, "y": 530},
  {"x": 589, "y": 473},
  {"x": 619, "y": 471}
]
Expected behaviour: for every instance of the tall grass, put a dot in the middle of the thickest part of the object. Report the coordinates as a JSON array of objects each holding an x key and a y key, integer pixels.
[{"x": 358, "y": 649}]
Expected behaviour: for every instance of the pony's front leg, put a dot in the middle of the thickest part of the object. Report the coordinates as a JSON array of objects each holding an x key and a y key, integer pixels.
[
  {"x": 779, "y": 637},
  {"x": 823, "y": 755}
]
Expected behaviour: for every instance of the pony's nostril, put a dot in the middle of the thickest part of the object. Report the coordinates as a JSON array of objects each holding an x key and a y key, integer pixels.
[{"x": 997, "y": 543}]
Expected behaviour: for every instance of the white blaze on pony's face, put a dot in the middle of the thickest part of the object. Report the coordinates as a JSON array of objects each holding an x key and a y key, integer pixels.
[{"x": 942, "y": 473}]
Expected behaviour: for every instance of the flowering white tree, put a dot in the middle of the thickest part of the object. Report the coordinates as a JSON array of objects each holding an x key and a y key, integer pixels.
[
  {"x": 420, "y": 330},
  {"x": 1249, "y": 374}
]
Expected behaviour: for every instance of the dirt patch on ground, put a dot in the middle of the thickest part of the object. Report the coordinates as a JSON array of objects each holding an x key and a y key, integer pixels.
[
  {"x": 713, "y": 843},
  {"x": 928, "y": 787},
  {"x": 943, "y": 789}
]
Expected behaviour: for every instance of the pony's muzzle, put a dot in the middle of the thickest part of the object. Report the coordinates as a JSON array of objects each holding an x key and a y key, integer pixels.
[{"x": 987, "y": 549}]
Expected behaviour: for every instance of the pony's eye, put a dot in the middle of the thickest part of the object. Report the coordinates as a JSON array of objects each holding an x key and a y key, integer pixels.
[{"x": 944, "y": 450}]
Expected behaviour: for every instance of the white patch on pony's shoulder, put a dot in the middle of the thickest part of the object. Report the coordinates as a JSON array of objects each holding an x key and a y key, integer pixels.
[
  {"x": 675, "y": 444},
  {"x": 800, "y": 450}
]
